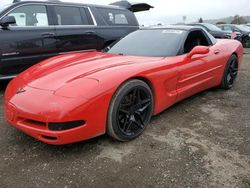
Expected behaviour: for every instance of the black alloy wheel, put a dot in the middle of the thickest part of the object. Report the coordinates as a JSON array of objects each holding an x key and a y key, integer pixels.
[
  {"x": 231, "y": 72},
  {"x": 130, "y": 110}
]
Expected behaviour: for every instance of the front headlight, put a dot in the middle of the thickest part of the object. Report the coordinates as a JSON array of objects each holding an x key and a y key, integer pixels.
[{"x": 82, "y": 87}]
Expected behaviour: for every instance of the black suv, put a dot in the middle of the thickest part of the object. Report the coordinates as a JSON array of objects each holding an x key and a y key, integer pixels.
[{"x": 31, "y": 31}]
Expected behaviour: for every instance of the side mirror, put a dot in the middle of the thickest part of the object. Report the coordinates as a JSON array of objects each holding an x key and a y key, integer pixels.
[
  {"x": 198, "y": 50},
  {"x": 8, "y": 20}
]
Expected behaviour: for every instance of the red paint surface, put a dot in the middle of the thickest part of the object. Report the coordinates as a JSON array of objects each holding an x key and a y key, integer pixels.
[{"x": 79, "y": 86}]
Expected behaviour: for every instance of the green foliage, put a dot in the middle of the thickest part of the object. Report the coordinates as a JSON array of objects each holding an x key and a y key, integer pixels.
[{"x": 238, "y": 20}]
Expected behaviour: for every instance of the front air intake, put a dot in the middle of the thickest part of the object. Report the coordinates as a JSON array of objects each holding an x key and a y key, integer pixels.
[{"x": 65, "y": 125}]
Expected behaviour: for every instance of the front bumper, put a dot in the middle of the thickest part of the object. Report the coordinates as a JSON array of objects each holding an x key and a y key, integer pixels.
[
  {"x": 40, "y": 130},
  {"x": 32, "y": 116}
]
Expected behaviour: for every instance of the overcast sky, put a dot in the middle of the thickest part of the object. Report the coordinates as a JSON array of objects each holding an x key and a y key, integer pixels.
[{"x": 172, "y": 11}]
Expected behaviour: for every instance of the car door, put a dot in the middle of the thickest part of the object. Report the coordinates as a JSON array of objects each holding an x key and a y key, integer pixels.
[
  {"x": 28, "y": 41},
  {"x": 195, "y": 73},
  {"x": 74, "y": 30}
]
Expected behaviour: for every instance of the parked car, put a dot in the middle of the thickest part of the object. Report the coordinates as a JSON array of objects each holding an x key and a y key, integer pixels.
[
  {"x": 213, "y": 30},
  {"x": 31, "y": 31},
  {"x": 117, "y": 92},
  {"x": 243, "y": 30}
]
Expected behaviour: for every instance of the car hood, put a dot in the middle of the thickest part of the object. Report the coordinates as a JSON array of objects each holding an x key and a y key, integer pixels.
[{"x": 56, "y": 72}]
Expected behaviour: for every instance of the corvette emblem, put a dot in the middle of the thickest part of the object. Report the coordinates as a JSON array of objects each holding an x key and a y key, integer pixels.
[{"x": 20, "y": 90}]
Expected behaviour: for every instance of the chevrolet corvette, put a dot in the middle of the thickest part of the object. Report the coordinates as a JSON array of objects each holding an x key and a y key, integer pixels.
[{"x": 78, "y": 96}]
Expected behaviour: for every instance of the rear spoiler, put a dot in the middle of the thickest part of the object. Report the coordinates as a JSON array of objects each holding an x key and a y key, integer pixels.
[{"x": 133, "y": 7}]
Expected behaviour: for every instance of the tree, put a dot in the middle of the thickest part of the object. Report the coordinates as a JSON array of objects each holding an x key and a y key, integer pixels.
[
  {"x": 184, "y": 18},
  {"x": 238, "y": 20},
  {"x": 200, "y": 20}
]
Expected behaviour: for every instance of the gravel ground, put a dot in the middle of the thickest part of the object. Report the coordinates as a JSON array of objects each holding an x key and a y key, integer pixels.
[{"x": 203, "y": 141}]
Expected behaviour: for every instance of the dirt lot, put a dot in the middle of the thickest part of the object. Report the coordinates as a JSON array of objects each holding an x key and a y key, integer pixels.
[{"x": 203, "y": 141}]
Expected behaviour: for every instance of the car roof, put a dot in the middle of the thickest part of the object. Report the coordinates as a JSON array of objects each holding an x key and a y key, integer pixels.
[
  {"x": 228, "y": 24},
  {"x": 57, "y": 2},
  {"x": 176, "y": 27},
  {"x": 201, "y": 24}
]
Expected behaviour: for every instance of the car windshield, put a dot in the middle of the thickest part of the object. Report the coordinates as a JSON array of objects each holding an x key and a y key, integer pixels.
[
  {"x": 152, "y": 43},
  {"x": 212, "y": 27},
  {"x": 243, "y": 28}
]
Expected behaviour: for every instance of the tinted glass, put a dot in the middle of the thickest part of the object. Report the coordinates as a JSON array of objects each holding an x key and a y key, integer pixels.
[
  {"x": 117, "y": 17},
  {"x": 154, "y": 43},
  {"x": 69, "y": 16},
  {"x": 30, "y": 15},
  {"x": 195, "y": 38}
]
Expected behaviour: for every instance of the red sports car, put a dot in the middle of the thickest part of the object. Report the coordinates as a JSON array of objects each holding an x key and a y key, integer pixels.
[{"x": 77, "y": 96}]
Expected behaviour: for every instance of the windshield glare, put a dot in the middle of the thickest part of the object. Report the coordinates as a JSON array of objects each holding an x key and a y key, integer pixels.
[
  {"x": 4, "y": 4},
  {"x": 1, "y": 8},
  {"x": 243, "y": 28},
  {"x": 152, "y": 43},
  {"x": 212, "y": 27}
]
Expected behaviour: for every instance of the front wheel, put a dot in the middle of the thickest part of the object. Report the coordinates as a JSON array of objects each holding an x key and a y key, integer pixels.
[
  {"x": 230, "y": 73},
  {"x": 130, "y": 110}
]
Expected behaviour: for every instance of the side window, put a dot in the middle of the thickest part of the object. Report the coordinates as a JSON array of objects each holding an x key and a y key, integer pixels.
[
  {"x": 30, "y": 15},
  {"x": 235, "y": 29},
  {"x": 115, "y": 17},
  {"x": 70, "y": 16},
  {"x": 227, "y": 28},
  {"x": 120, "y": 19},
  {"x": 195, "y": 38}
]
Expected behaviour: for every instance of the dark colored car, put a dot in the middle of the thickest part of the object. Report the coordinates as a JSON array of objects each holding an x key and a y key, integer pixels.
[
  {"x": 213, "y": 30},
  {"x": 243, "y": 30},
  {"x": 31, "y": 31}
]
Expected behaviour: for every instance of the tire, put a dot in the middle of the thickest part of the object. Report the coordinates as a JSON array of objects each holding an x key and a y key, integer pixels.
[
  {"x": 130, "y": 110},
  {"x": 230, "y": 73},
  {"x": 245, "y": 42}
]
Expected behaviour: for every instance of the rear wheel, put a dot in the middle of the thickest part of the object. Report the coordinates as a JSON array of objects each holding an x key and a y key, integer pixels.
[
  {"x": 130, "y": 110},
  {"x": 230, "y": 73},
  {"x": 245, "y": 42}
]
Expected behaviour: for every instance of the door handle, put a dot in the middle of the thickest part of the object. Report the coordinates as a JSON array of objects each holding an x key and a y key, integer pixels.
[
  {"x": 89, "y": 33},
  {"x": 48, "y": 35},
  {"x": 216, "y": 52}
]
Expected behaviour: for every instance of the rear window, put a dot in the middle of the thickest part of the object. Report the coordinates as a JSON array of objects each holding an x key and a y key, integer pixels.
[
  {"x": 70, "y": 16},
  {"x": 117, "y": 17}
]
